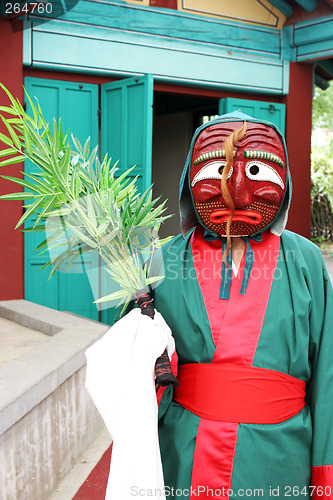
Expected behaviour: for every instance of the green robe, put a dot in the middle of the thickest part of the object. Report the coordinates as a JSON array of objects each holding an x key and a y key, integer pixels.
[{"x": 295, "y": 338}]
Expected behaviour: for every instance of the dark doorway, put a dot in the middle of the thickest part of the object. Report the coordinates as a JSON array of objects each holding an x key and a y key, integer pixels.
[{"x": 175, "y": 119}]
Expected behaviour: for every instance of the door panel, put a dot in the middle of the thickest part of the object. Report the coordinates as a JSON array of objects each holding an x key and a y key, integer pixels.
[
  {"x": 77, "y": 105},
  {"x": 270, "y": 111},
  {"x": 127, "y": 119}
]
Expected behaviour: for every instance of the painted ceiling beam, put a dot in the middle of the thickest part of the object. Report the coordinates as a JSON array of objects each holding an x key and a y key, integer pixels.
[
  {"x": 313, "y": 39},
  {"x": 308, "y": 5},
  {"x": 313, "y": 31},
  {"x": 283, "y": 6}
]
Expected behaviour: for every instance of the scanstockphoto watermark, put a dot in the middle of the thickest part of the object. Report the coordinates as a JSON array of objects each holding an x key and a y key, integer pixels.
[
  {"x": 199, "y": 491},
  {"x": 34, "y": 12},
  {"x": 208, "y": 264},
  {"x": 209, "y": 255},
  {"x": 287, "y": 491}
]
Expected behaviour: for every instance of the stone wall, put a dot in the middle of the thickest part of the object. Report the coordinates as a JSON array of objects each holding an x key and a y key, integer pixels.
[{"x": 47, "y": 417}]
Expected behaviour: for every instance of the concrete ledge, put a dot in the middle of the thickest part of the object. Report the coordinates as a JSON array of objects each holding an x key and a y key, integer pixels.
[
  {"x": 29, "y": 379},
  {"x": 47, "y": 418},
  {"x": 30, "y": 315}
]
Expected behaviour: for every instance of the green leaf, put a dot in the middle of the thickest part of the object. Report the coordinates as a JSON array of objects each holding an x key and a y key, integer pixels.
[
  {"x": 6, "y": 140},
  {"x": 30, "y": 121},
  {"x": 41, "y": 120},
  {"x": 75, "y": 255},
  {"x": 15, "y": 121},
  {"x": 46, "y": 187},
  {"x": 92, "y": 157},
  {"x": 82, "y": 236},
  {"x": 22, "y": 182},
  {"x": 44, "y": 266},
  {"x": 19, "y": 107},
  {"x": 40, "y": 161},
  {"x": 27, "y": 140},
  {"x": 46, "y": 132},
  {"x": 33, "y": 207},
  {"x": 50, "y": 239},
  {"x": 58, "y": 244},
  {"x": 56, "y": 143},
  {"x": 9, "y": 151},
  {"x": 14, "y": 103},
  {"x": 64, "y": 163},
  {"x": 91, "y": 211},
  {"x": 86, "y": 148},
  {"x": 11, "y": 161},
  {"x": 114, "y": 296},
  {"x": 160, "y": 242},
  {"x": 46, "y": 208},
  {"x": 12, "y": 133},
  {"x": 56, "y": 264},
  {"x": 56, "y": 173},
  {"x": 19, "y": 196},
  {"x": 61, "y": 212},
  {"x": 75, "y": 160},
  {"x": 10, "y": 111},
  {"x": 33, "y": 109},
  {"x": 109, "y": 237},
  {"x": 76, "y": 143},
  {"x": 37, "y": 229}
]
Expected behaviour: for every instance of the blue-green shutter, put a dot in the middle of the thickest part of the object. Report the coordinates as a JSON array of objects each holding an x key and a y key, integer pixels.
[
  {"x": 126, "y": 135},
  {"x": 270, "y": 111},
  {"x": 127, "y": 124},
  {"x": 77, "y": 105}
]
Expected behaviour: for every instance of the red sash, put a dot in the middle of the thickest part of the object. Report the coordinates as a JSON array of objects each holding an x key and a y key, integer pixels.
[{"x": 242, "y": 394}]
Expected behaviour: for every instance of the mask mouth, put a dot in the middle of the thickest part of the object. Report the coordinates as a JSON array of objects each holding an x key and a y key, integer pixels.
[{"x": 241, "y": 215}]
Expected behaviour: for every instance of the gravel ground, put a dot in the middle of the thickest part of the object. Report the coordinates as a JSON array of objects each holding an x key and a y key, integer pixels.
[
  {"x": 327, "y": 251},
  {"x": 329, "y": 264}
]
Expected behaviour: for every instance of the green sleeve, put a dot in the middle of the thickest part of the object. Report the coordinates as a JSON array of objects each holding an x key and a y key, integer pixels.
[{"x": 320, "y": 388}]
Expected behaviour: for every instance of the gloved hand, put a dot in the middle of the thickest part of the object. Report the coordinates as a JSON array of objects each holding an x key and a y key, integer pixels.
[{"x": 120, "y": 380}]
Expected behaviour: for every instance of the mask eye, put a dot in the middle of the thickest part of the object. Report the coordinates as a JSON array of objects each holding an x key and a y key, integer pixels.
[
  {"x": 259, "y": 171},
  {"x": 212, "y": 170}
]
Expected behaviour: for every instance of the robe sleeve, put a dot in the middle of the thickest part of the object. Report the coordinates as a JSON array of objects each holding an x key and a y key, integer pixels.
[{"x": 320, "y": 388}]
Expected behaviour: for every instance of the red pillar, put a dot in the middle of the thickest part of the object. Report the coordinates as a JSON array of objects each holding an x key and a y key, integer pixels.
[
  {"x": 298, "y": 137},
  {"x": 11, "y": 242}
]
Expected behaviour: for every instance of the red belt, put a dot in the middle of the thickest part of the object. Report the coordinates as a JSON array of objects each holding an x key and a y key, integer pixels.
[{"x": 231, "y": 393}]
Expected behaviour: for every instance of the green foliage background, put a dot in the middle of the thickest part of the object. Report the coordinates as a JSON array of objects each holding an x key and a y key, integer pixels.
[{"x": 322, "y": 163}]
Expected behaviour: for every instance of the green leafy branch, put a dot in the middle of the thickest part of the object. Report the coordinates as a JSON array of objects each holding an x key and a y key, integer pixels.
[{"x": 84, "y": 204}]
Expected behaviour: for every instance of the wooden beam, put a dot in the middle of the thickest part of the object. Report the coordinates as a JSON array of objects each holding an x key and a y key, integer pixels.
[
  {"x": 313, "y": 39},
  {"x": 308, "y": 5}
]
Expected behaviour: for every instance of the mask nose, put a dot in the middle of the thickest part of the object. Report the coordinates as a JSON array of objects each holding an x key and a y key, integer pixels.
[{"x": 238, "y": 187}]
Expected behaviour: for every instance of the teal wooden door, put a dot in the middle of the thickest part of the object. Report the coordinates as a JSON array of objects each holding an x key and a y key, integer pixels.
[
  {"x": 270, "y": 111},
  {"x": 77, "y": 105},
  {"x": 126, "y": 134},
  {"x": 127, "y": 125}
]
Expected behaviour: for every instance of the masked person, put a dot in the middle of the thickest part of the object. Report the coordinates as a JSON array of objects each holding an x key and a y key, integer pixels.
[
  {"x": 250, "y": 307},
  {"x": 251, "y": 311}
]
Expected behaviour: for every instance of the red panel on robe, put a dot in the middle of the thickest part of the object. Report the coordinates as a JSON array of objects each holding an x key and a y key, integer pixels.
[
  {"x": 236, "y": 326},
  {"x": 322, "y": 480}
]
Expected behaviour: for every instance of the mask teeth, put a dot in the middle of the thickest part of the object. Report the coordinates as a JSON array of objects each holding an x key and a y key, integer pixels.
[
  {"x": 237, "y": 228},
  {"x": 264, "y": 156},
  {"x": 219, "y": 153}
]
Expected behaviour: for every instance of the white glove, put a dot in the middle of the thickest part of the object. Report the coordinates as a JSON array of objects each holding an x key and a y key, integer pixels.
[{"x": 121, "y": 381}]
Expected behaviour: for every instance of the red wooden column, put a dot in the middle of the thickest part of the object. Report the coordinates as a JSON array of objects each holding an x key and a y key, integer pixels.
[
  {"x": 11, "y": 242},
  {"x": 298, "y": 137}
]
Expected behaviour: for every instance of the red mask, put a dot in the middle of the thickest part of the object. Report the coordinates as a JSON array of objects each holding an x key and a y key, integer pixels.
[{"x": 256, "y": 182}]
